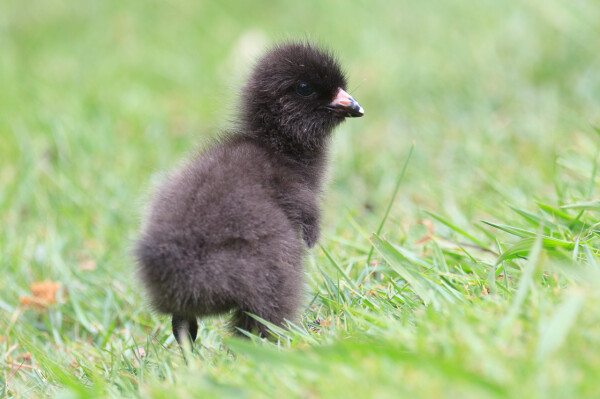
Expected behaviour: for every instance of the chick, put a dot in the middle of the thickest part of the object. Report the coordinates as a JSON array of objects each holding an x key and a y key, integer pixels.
[{"x": 228, "y": 231}]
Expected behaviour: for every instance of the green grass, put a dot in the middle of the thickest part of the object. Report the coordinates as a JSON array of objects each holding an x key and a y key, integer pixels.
[{"x": 482, "y": 282}]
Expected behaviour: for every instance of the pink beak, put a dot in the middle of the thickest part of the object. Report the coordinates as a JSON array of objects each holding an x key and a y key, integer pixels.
[{"x": 344, "y": 105}]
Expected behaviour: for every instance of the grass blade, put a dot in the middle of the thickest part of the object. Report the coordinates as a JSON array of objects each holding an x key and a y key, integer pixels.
[
  {"x": 559, "y": 326},
  {"x": 524, "y": 286},
  {"x": 456, "y": 228},
  {"x": 393, "y": 199}
]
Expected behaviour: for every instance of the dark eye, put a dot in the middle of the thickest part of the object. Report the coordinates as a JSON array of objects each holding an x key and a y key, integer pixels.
[{"x": 305, "y": 89}]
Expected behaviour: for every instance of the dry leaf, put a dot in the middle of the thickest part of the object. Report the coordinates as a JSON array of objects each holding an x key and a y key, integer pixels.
[
  {"x": 16, "y": 367},
  {"x": 44, "y": 294},
  {"x": 325, "y": 323}
]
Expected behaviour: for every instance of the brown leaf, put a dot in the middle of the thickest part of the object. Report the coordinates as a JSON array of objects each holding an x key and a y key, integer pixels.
[
  {"x": 325, "y": 323},
  {"x": 44, "y": 295},
  {"x": 15, "y": 367}
]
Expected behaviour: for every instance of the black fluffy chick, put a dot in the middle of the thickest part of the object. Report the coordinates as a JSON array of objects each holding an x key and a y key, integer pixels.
[{"x": 226, "y": 231}]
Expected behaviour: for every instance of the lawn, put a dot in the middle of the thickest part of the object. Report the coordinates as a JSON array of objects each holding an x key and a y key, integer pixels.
[{"x": 461, "y": 246}]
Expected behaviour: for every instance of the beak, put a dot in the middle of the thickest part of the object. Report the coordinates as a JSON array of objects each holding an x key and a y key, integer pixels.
[{"x": 344, "y": 105}]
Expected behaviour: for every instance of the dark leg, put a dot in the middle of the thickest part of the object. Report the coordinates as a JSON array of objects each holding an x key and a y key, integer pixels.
[{"x": 184, "y": 326}]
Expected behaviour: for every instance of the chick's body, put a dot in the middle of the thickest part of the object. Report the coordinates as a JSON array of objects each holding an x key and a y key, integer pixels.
[
  {"x": 225, "y": 221},
  {"x": 228, "y": 230}
]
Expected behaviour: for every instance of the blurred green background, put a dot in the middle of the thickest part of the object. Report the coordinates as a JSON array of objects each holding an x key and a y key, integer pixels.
[{"x": 98, "y": 97}]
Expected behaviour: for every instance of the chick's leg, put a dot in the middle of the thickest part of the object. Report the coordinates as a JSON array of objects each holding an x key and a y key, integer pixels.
[{"x": 184, "y": 328}]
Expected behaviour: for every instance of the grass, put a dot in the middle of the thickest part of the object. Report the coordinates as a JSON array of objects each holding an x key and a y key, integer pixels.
[{"x": 481, "y": 280}]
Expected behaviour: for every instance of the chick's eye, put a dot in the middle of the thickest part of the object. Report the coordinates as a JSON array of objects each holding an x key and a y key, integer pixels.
[{"x": 305, "y": 89}]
